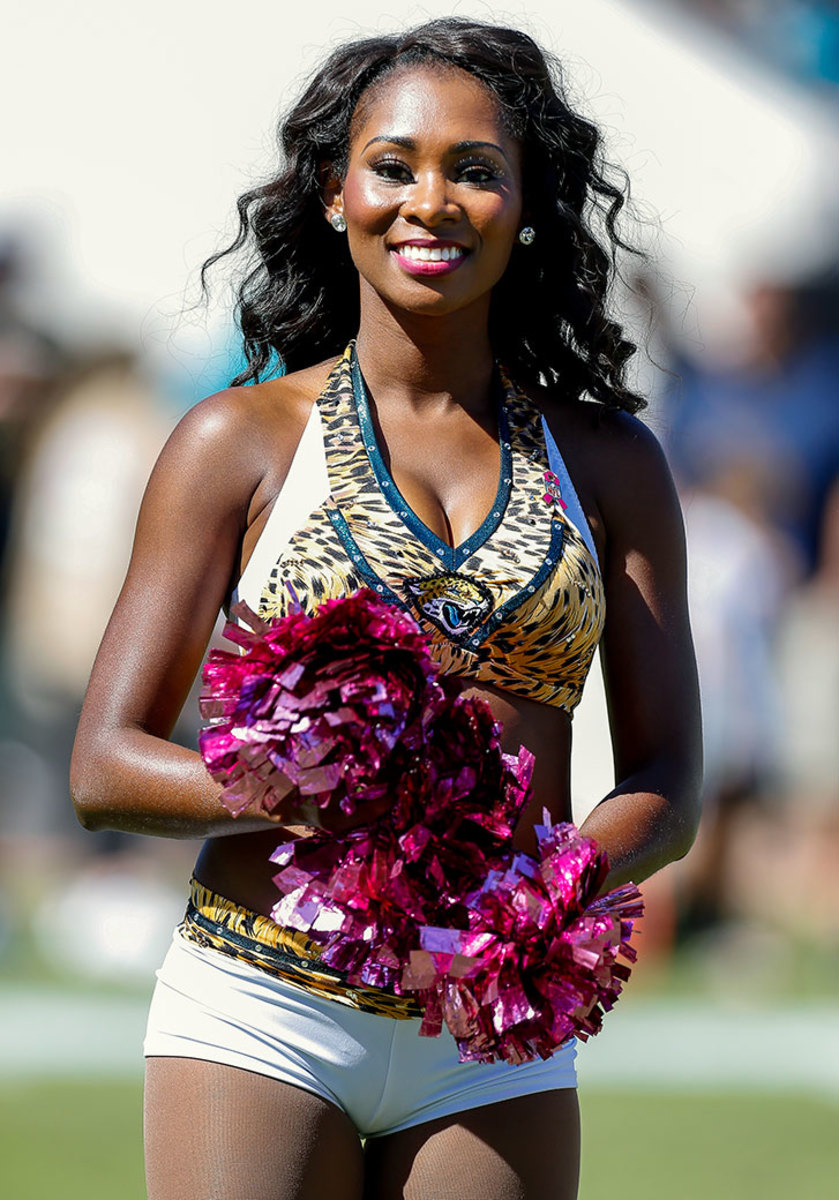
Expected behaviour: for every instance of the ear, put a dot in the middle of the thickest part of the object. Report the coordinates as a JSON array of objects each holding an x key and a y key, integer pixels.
[{"x": 331, "y": 189}]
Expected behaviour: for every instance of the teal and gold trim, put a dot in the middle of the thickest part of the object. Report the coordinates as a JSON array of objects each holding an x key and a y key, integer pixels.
[
  {"x": 451, "y": 557},
  {"x": 520, "y": 605}
]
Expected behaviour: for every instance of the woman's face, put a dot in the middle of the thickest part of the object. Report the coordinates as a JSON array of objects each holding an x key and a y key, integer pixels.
[{"x": 432, "y": 194}]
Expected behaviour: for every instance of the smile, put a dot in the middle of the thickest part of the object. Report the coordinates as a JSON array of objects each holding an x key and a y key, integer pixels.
[{"x": 428, "y": 260}]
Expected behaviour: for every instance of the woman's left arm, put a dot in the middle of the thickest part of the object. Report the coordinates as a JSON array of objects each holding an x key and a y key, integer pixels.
[{"x": 651, "y": 816}]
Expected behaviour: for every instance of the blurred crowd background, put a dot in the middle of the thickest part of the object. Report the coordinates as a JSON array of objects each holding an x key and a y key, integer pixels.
[
  {"x": 127, "y": 133},
  {"x": 739, "y": 189}
]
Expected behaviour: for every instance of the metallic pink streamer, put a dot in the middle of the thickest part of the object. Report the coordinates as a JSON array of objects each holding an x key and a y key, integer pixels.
[{"x": 512, "y": 953}]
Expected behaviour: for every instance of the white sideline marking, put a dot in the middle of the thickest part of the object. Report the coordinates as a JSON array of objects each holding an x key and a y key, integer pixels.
[{"x": 45, "y": 1033}]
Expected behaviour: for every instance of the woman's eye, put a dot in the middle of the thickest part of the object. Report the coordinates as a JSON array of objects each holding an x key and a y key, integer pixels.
[
  {"x": 392, "y": 168},
  {"x": 479, "y": 172}
]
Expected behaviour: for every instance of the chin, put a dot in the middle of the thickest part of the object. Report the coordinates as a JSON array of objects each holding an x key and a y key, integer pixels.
[
  {"x": 430, "y": 301},
  {"x": 435, "y": 306}
]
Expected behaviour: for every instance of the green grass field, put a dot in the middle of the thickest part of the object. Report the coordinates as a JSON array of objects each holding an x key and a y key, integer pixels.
[{"x": 81, "y": 1141}]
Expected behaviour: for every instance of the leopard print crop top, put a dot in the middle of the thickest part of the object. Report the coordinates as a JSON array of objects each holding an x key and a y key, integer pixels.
[{"x": 518, "y": 605}]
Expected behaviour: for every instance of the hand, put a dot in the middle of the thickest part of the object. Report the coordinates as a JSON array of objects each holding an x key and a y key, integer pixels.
[{"x": 295, "y": 809}]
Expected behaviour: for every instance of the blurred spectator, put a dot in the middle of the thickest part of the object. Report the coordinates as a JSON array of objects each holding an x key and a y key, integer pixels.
[
  {"x": 808, "y": 660},
  {"x": 773, "y": 416},
  {"x": 29, "y": 361},
  {"x": 74, "y": 514},
  {"x": 755, "y": 448},
  {"x": 782, "y": 854},
  {"x": 808, "y": 794},
  {"x": 740, "y": 574}
]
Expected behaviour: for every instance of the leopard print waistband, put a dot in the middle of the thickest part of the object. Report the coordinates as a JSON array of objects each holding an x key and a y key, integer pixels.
[{"x": 215, "y": 922}]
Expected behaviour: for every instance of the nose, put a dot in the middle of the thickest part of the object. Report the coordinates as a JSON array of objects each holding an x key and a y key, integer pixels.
[{"x": 430, "y": 199}]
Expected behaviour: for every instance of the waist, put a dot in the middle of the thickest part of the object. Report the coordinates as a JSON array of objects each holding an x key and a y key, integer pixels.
[{"x": 214, "y": 921}]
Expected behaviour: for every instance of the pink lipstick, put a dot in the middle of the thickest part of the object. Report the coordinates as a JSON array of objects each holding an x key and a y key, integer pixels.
[{"x": 429, "y": 257}]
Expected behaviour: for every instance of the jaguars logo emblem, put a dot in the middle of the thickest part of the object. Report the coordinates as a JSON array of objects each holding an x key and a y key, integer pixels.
[{"x": 456, "y": 604}]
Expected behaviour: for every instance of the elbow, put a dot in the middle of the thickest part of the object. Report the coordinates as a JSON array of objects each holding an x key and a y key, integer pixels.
[
  {"x": 684, "y": 787},
  {"x": 687, "y": 826},
  {"x": 683, "y": 842},
  {"x": 88, "y": 811},
  {"x": 89, "y": 816},
  {"x": 87, "y": 793},
  {"x": 679, "y": 807}
]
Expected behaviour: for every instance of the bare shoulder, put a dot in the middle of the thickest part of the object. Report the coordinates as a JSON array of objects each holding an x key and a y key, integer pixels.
[
  {"x": 236, "y": 417},
  {"x": 241, "y": 440},
  {"x": 612, "y": 455},
  {"x": 635, "y": 488}
]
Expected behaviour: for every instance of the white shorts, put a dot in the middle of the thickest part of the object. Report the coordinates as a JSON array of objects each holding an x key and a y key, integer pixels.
[{"x": 378, "y": 1070}]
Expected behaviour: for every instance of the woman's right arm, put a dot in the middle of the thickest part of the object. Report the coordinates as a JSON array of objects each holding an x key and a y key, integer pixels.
[{"x": 125, "y": 774}]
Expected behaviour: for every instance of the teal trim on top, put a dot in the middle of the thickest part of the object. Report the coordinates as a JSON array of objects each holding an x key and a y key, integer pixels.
[{"x": 450, "y": 557}]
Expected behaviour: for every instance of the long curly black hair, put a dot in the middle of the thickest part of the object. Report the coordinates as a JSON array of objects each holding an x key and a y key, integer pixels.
[{"x": 298, "y": 301}]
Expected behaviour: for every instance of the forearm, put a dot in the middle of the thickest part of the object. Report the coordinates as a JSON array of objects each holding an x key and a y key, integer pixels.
[
  {"x": 643, "y": 824},
  {"x": 138, "y": 783}
]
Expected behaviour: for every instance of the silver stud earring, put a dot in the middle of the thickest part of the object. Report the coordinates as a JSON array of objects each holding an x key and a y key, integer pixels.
[
  {"x": 338, "y": 222},
  {"x": 527, "y": 235}
]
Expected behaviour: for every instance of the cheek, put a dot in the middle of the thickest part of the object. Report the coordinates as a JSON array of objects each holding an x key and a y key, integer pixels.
[
  {"x": 365, "y": 202},
  {"x": 498, "y": 220}
]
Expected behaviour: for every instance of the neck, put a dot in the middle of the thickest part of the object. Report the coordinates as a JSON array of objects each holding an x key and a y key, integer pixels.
[{"x": 415, "y": 359}]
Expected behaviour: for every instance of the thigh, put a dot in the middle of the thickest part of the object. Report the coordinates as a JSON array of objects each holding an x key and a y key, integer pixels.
[
  {"x": 215, "y": 1132},
  {"x": 522, "y": 1149}
]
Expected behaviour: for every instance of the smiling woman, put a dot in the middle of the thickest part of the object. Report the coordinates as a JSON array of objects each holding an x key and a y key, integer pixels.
[
  {"x": 299, "y": 298},
  {"x": 426, "y": 273},
  {"x": 432, "y": 188}
]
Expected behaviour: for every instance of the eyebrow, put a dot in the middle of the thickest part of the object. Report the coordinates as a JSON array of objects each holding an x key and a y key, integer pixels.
[{"x": 458, "y": 148}]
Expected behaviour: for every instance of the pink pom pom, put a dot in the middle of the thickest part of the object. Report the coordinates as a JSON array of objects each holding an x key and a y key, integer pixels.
[
  {"x": 365, "y": 895},
  {"x": 332, "y": 704},
  {"x": 512, "y": 953},
  {"x": 538, "y": 962}
]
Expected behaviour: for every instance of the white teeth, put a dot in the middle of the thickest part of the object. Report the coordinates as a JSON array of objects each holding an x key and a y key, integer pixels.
[{"x": 430, "y": 253}]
